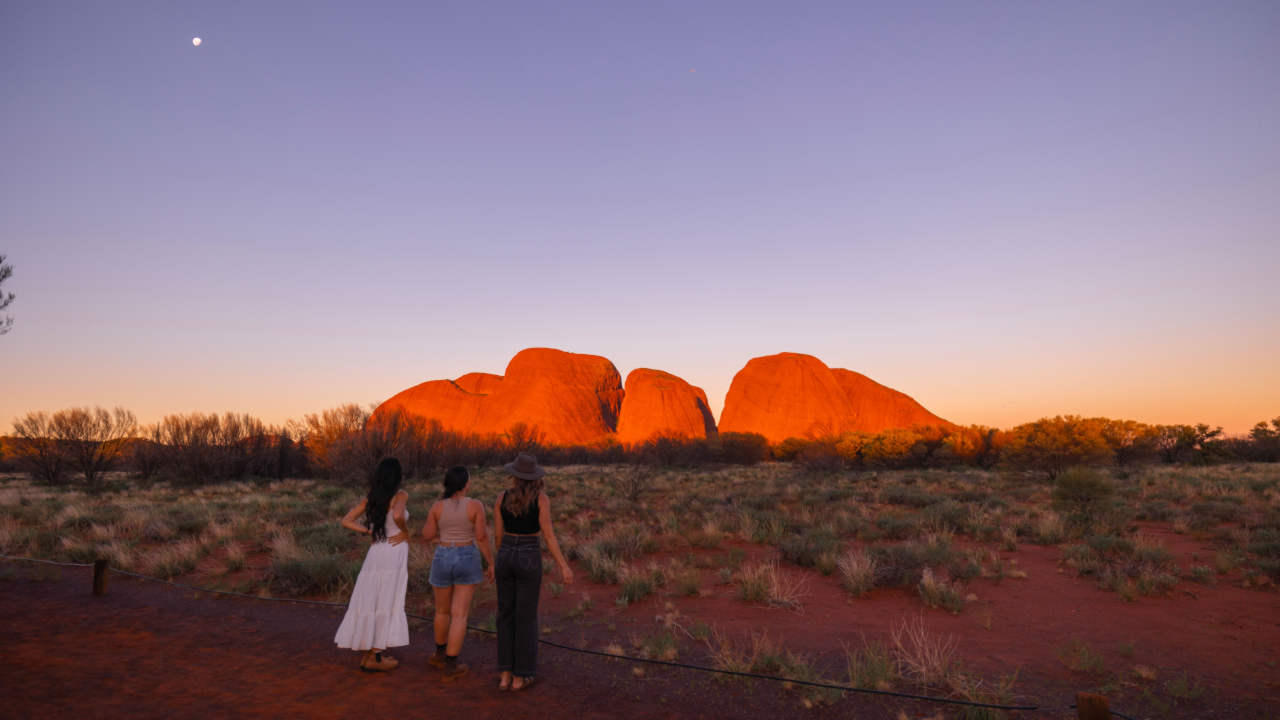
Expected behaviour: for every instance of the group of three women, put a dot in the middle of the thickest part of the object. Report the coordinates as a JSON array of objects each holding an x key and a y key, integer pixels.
[{"x": 376, "y": 620}]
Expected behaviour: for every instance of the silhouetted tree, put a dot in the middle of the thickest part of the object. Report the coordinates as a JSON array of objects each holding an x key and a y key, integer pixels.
[
  {"x": 1266, "y": 440},
  {"x": 6, "y": 271},
  {"x": 1184, "y": 443},
  {"x": 94, "y": 439},
  {"x": 36, "y": 449},
  {"x": 147, "y": 454}
]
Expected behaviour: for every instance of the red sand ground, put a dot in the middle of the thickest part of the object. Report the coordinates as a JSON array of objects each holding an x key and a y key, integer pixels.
[{"x": 148, "y": 650}]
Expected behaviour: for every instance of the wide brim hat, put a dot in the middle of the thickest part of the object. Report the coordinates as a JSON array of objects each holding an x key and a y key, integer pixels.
[{"x": 525, "y": 467}]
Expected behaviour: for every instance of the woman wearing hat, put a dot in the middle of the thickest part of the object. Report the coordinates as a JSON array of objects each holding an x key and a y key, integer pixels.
[{"x": 521, "y": 515}]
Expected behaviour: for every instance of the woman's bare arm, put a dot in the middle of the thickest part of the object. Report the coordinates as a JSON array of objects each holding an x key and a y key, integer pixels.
[
  {"x": 349, "y": 520},
  {"x": 497, "y": 521},
  {"x": 432, "y": 529},
  {"x": 549, "y": 533},
  {"x": 482, "y": 538}
]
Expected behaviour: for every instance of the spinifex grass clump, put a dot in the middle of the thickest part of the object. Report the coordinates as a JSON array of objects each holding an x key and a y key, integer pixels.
[
  {"x": 940, "y": 593},
  {"x": 815, "y": 548},
  {"x": 857, "y": 571},
  {"x": 1131, "y": 567}
]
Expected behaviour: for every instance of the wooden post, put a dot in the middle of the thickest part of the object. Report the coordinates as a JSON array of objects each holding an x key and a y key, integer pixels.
[
  {"x": 100, "y": 576},
  {"x": 1092, "y": 707}
]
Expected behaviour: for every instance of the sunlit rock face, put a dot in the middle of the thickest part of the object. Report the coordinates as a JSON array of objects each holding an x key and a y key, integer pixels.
[
  {"x": 444, "y": 401},
  {"x": 575, "y": 399},
  {"x": 570, "y": 399},
  {"x": 658, "y": 403},
  {"x": 877, "y": 408},
  {"x": 794, "y": 395},
  {"x": 785, "y": 395},
  {"x": 479, "y": 383}
]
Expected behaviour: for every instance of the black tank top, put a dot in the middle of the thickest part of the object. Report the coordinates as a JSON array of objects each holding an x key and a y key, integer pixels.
[{"x": 526, "y": 523}]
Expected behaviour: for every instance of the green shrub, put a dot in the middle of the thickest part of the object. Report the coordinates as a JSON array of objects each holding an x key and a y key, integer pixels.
[
  {"x": 808, "y": 549},
  {"x": 1084, "y": 494},
  {"x": 898, "y": 565}
]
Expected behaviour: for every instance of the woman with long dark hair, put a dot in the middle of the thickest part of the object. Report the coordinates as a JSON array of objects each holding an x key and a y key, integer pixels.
[
  {"x": 458, "y": 521},
  {"x": 521, "y": 515},
  {"x": 375, "y": 618}
]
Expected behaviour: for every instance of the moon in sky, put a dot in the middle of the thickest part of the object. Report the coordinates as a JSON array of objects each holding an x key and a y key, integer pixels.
[{"x": 196, "y": 41}]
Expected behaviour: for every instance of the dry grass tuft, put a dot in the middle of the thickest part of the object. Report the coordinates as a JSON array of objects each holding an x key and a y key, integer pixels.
[
  {"x": 921, "y": 656},
  {"x": 857, "y": 571}
]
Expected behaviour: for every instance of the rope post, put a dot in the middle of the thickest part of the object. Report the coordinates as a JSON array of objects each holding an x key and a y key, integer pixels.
[
  {"x": 1092, "y": 707},
  {"x": 100, "y": 576}
]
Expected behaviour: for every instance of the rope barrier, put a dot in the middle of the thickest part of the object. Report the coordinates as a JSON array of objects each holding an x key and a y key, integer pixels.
[
  {"x": 1115, "y": 713},
  {"x": 46, "y": 562}
]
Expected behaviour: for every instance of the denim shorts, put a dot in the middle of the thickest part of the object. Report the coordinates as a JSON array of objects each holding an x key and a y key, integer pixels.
[{"x": 456, "y": 566}]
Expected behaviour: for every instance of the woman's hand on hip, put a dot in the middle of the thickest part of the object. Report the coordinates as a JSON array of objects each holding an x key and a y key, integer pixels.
[{"x": 398, "y": 538}]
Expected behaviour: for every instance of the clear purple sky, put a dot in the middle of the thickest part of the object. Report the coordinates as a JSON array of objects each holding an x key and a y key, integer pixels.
[{"x": 1006, "y": 210}]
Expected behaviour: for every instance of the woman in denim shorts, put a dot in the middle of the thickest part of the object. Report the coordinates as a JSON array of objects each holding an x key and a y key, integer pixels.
[{"x": 459, "y": 523}]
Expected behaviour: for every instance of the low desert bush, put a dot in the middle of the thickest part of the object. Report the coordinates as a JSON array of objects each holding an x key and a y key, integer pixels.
[
  {"x": 1085, "y": 494},
  {"x": 812, "y": 549}
]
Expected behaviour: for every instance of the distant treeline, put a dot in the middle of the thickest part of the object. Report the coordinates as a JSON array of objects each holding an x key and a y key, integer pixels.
[{"x": 345, "y": 443}]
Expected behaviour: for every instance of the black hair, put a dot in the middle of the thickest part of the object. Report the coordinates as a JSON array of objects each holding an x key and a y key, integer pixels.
[
  {"x": 454, "y": 480},
  {"x": 385, "y": 485}
]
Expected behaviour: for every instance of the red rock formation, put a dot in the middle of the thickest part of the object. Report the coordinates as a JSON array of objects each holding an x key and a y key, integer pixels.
[
  {"x": 442, "y": 400},
  {"x": 479, "y": 383},
  {"x": 660, "y": 404},
  {"x": 570, "y": 399},
  {"x": 877, "y": 407},
  {"x": 794, "y": 395}
]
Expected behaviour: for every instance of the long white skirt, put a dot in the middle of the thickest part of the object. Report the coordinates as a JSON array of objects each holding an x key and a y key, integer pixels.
[{"x": 375, "y": 615}]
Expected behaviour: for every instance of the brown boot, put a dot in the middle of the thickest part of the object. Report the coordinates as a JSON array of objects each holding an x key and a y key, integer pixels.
[
  {"x": 378, "y": 662},
  {"x": 437, "y": 660},
  {"x": 453, "y": 671}
]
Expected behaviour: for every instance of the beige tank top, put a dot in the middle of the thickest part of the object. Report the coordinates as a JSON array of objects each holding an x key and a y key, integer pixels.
[{"x": 454, "y": 526}]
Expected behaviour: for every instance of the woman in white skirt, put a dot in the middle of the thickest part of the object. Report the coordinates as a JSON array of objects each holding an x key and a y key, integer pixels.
[{"x": 375, "y": 618}]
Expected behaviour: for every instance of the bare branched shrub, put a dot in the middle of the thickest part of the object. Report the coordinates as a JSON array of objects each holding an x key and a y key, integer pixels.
[
  {"x": 632, "y": 482},
  {"x": 94, "y": 439},
  {"x": 36, "y": 448},
  {"x": 348, "y": 441}
]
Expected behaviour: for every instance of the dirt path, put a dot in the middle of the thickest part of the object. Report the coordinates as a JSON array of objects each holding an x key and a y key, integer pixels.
[
  {"x": 151, "y": 650},
  {"x": 148, "y": 650}
]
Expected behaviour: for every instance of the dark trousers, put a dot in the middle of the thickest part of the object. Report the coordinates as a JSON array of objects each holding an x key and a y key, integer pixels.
[{"x": 518, "y": 571}]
